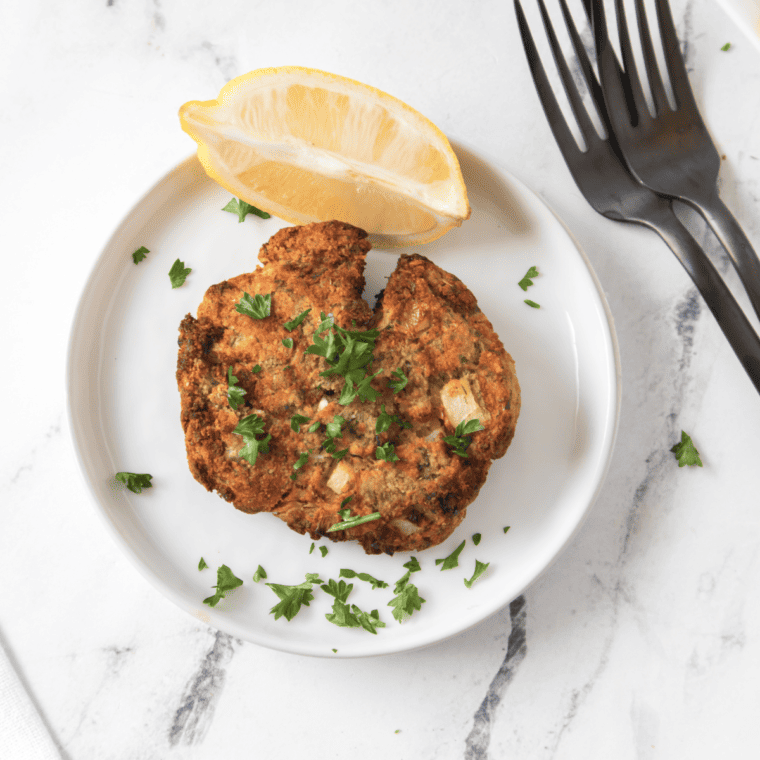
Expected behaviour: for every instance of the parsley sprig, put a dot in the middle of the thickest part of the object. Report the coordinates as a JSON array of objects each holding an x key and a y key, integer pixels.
[
  {"x": 234, "y": 392},
  {"x": 296, "y": 421},
  {"x": 407, "y": 600},
  {"x": 226, "y": 581},
  {"x": 527, "y": 281},
  {"x": 686, "y": 453},
  {"x": 249, "y": 427},
  {"x": 400, "y": 382},
  {"x": 384, "y": 421},
  {"x": 461, "y": 438},
  {"x": 386, "y": 452},
  {"x": 346, "y": 521},
  {"x": 349, "y": 354},
  {"x": 290, "y": 326},
  {"x": 140, "y": 254},
  {"x": 292, "y": 598},
  {"x": 242, "y": 209},
  {"x": 480, "y": 568},
  {"x": 178, "y": 273},
  {"x": 351, "y": 616},
  {"x": 452, "y": 561},
  {"x": 332, "y": 433},
  {"x": 135, "y": 481},
  {"x": 256, "y": 306},
  {"x": 374, "y": 582},
  {"x": 300, "y": 462}
]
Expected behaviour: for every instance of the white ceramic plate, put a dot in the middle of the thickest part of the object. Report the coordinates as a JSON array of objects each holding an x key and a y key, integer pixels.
[{"x": 124, "y": 415}]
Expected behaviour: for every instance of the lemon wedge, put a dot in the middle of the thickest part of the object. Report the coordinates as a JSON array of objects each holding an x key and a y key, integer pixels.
[{"x": 310, "y": 146}]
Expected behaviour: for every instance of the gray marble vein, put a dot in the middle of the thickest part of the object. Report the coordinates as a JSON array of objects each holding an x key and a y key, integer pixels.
[
  {"x": 196, "y": 709},
  {"x": 479, "y": 738},
  {"x": 53, "y": 431}
]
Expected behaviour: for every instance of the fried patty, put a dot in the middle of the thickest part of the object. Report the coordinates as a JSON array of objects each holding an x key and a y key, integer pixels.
[{"x": 429, "y": 332}]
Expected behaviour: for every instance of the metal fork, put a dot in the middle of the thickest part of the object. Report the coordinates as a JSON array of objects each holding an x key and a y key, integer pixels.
[
  {"x": 612, "y": 191},
  {"x": 670, "y": 152}
]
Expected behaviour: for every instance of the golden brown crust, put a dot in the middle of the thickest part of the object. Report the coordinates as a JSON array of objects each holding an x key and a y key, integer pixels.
[{"x": 429, "y": 327}]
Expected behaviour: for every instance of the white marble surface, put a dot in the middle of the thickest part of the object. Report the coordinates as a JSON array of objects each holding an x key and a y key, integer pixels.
[{"x": 641, "y": 641}]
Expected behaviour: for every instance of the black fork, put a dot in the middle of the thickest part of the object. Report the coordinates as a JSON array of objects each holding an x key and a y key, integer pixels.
[
  {"x": 671, "y": 151},
  {"x": 614, "y": 192}
]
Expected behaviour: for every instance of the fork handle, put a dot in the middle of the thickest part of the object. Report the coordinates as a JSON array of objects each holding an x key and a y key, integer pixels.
[
  {"x": 731, "y": 235},
  {"x": 729, "y": 315}
]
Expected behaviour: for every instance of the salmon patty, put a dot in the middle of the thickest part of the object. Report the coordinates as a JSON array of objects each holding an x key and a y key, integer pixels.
[{"x": 300, "y": 400}]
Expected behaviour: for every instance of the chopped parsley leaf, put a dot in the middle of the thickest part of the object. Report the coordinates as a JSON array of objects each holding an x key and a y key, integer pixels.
[
  {"x": 259, "y": 574},
  {"x": 480, "y": 568},
  {"x": 369, "y": 621},
  {"x": 374, "y": 582},
  {"x": 452, "y": 561},
  {"x": 242, "y": 209},
  {"x": 725, "y": 47},
  {"x": 364, "y": 391},
  {"x": 311, "y": 548},
  {"x": 686, "y": 453},
  {"x": 256, "y": 369},
  {"x": 384, "y": 421},
  {"x": 314, "y": 427},
  {"x": 346, "y": 521},
  {"x": 178, "y": 274},
  {"x": 386, "y": 452},
  {"x": 532, "y": 304},
  {"x": 249, "y": 427},
  {"x": 400, "y": 382},
  {"x": 413, "y": 566},
  {"x": 287, "y": 342},
  {"x": 349, "y": 353},
  {"x": 139, "y": 254},
  {"x": 202, "y": 564},
  {"x": 292, "y": 598},
  {"x": 339, "y": 589},
  {"x": 234, "y": 392},
  {"x": 333, "y": 431},
  {"x": 507, "y": 528},
  {"x": 290, "y": 326},
  {"x": 296, "y": 421},
  {"x": 323, "y": 550},
  {"x": 300, "y": 462},
  {"x": 256, "y": 306},
  {"x": 460, "y": 440},
  {"x": 476, "y": 538},
  {"x": 407, "y": 599},
  {"x": 349, "y": 617},
  {"x": 135, "y": 481},
  {"x": 345, "y": 501},
  {"x": 527, "y": 281},
  {"x": 353, "y": 617},
  {"x": 225, "y": 581}
]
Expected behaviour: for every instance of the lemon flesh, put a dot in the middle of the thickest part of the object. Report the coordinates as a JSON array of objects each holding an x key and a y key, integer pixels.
[{"x": 310, "y": 146}]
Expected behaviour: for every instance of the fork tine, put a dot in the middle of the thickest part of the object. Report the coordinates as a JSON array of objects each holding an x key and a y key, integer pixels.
[
  {"x": 579, "y": 110},
  {"x": 620, "y": 109},
  {"x": 679, "y": 79},
  {"x": 580, "y": 52},
  {"x": 659, "y": 96},
  {"x": 562, "y": 134},
  {"x": 629, "y": 64}
]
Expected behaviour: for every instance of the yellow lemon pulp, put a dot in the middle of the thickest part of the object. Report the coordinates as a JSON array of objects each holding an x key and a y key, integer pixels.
[{"x": 310, "y": 146}]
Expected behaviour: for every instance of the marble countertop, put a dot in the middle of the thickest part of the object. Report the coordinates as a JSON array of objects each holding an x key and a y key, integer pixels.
[{"x": 641, "y": 641}]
